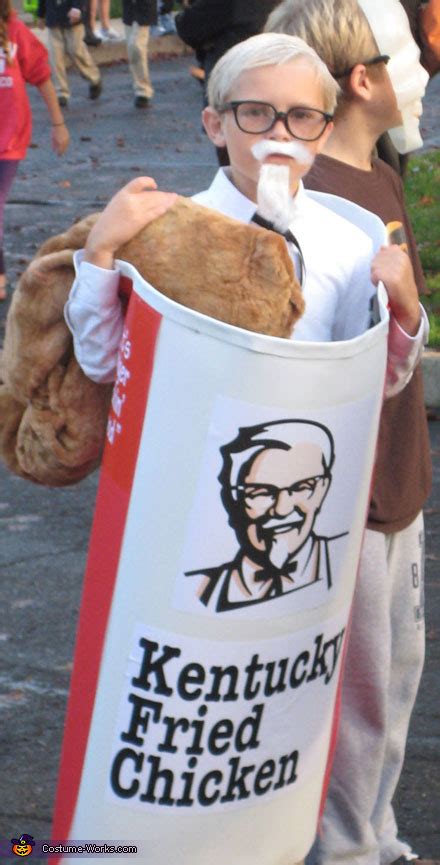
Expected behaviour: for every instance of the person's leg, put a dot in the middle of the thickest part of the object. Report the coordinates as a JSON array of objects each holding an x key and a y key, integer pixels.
[
  {"x": 137, "y": 37},
  {"x": 358, "y": 826},
  {"x": 8, "y": 170},
  {"x": 93, "y": 8},
  {"x": 165, "y": 18},
  {"x": 106, "y": 31},
  {"x": 406, "y": 567},
  {"x": 90, "y": 37},
  {"x": 57, "y": 54},
  {"x": 346, "y": 833},
  {"x": 104, "y": 13},
  {"x": 81, "y": 57}
]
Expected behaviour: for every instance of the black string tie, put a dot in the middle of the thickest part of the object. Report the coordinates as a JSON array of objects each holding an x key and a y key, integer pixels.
[{"x": 290, "y": 239}]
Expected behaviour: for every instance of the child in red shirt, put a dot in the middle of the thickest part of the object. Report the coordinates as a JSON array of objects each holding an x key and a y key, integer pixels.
[{"x": 23, "y": 60}]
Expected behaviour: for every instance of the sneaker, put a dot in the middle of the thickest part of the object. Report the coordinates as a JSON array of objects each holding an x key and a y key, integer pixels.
[
  {"x": 63, "y": 101},
  {"x": 107, "y": 34},
  {"x": 166, "y": 23},
  {"x": 403, "y": 860},
  {"x": 142, "y": 102},
  {"x": 95, "y": 90},
  {"x": 157, "y": 30}
]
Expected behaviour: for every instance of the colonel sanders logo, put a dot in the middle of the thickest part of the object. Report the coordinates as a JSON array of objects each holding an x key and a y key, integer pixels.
[{"x": 274, "y": 481}]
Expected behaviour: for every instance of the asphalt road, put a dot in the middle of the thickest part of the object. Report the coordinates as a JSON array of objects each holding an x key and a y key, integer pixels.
[{"x": 44, "y": 532}]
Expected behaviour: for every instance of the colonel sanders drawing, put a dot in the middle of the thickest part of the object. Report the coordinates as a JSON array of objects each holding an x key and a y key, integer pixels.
[{"x": 274, "y": 481}]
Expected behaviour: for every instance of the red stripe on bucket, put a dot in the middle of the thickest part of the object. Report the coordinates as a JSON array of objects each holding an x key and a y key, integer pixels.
[{"x": 126, "y": 419}]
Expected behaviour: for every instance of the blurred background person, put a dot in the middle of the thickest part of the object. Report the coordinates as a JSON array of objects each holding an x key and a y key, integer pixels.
[
  {"x": 211, "y": 27},
  {"x": 138, "y": 16},
  {"x": 23, "y": 60},
  {"x": 63, "y": 18}
]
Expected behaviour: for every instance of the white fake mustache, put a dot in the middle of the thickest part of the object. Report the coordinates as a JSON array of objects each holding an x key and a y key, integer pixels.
[{"x": 294, "y": 149}]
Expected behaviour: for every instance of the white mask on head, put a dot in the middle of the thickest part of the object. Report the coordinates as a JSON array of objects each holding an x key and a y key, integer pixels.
[{"x": 389, "y": 23}]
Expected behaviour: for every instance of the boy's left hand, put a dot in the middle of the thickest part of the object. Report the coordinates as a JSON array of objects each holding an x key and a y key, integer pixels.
[
  {"x": 60, "y": 139},
  {"x": 393, "y": 267}
]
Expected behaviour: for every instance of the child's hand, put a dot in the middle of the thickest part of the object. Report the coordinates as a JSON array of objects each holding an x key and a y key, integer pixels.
[
  {"x": 74, "y": 15},
  {"x": 393, "y": 266},
  {"x": 130, "y": 210},
  {"x": 60, "y": 138}
]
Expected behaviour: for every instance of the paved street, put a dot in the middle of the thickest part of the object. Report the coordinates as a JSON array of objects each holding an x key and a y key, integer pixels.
[{"x": 44, "y": 532}]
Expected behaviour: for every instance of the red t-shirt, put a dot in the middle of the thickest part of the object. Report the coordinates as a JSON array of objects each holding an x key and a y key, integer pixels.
[{"x": 30, "y": 65}]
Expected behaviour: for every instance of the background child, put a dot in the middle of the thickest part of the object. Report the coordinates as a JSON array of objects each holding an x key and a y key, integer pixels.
[
  {"x": 23, "y": 59},
  {"x": 138, "y": 16},
  {"x": 386, "y": 651},
  {"x": 66, "y": 39}
]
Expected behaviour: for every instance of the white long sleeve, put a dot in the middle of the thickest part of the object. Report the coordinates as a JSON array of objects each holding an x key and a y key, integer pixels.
[
  {"x": 94, "y": 315},
  {"x": 404, "y": 353}
]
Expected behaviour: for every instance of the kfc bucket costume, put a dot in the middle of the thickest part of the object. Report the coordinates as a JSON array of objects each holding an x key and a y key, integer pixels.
[{"x": 186, "y": 745}]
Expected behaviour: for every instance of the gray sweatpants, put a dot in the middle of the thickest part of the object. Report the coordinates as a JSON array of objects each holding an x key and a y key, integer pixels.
[{"x": 382, "y": 673}]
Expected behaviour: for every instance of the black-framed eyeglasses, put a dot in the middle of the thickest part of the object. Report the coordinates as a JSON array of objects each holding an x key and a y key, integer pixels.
[
  {"x": 381, "y": 58},
  {"x": 265, "y": 496},
  {"x": 306, "y": 124}
]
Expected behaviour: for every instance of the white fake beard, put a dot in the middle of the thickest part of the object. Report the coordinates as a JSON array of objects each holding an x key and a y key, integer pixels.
[{"x": 274, "y": 198}]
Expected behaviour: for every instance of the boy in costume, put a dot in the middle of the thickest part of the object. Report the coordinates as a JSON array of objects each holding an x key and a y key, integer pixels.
[
  {"x": 372, "y": 54},
  {"x": 271, "y": 104}
]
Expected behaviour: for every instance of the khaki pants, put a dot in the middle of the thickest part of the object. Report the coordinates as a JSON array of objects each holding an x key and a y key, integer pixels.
[
  {"x": 137, "y": 37},
  {"x": 68, "y": 41}
]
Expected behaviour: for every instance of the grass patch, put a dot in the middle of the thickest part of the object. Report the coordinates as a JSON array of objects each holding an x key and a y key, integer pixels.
[
  {"x": 115, "y": 8},
  {"x": 423, "y": 202}
]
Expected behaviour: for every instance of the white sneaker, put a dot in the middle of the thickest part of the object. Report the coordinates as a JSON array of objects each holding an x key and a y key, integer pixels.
[
  {"x": 166, "y": 22},
  {"x": 107, "y": 34},
  {"x": 157, "y": 30}
]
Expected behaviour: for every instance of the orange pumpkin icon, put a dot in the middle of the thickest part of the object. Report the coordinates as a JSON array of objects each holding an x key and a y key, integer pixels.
[{"x": 23, "y": 845}]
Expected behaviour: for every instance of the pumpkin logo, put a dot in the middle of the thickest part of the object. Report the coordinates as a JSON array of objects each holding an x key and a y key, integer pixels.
[{"x": 23, "y": 845}]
